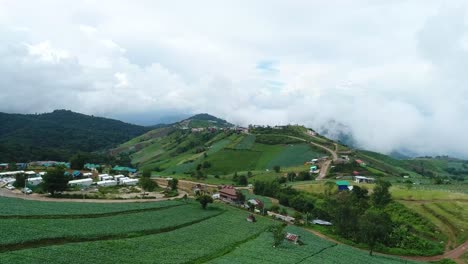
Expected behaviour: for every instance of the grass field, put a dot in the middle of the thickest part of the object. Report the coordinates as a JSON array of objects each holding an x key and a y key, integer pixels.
[{"x": 172, "y": 232}]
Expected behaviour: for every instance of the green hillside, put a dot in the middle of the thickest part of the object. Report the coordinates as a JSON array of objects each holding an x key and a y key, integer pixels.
[
  {"x": 59, "y": 135},
  {"x": 220, "y": 152}
]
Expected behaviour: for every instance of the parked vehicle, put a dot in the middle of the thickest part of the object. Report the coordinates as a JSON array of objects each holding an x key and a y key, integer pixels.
[
  {"x": 10, "y": 187},
  {"x": 26, "y": 191}
]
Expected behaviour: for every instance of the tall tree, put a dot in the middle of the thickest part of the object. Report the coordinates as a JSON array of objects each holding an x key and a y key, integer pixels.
[
  {"x": 381, "y": 196},
  {"x": 78, "y": 161},
  {"x": 55, "y": 180},
  {"x": 20, "y": 180},
  {"x": 173, "y": 184},
  {"x": 278, "y": 234},
  {"x": 374, "y": 226},
  {"x": 204, "y": 200},
  {"x": 147, "y": 184}
]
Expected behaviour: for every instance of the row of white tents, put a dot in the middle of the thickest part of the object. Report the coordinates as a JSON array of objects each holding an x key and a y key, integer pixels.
[{"x": 105, "y": 180}]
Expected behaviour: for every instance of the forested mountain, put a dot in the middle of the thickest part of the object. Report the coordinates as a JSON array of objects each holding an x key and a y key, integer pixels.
[{"x": 59, "y": 135}]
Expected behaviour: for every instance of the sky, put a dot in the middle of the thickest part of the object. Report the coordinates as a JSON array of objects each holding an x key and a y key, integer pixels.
[{"x": 393, "y": 74}]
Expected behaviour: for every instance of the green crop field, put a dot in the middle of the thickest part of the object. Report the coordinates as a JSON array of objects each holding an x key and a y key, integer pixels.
[
  {"x": 230, "y": 160},
  {"x": 293, "y": 155},
  {"x": 17, "y": 207},
  {"x": 246, "y": 142},
  {"x": 39, "y": 230},
  {"x": 314, "y": 250},
  {"x": 172, "y": 232}
]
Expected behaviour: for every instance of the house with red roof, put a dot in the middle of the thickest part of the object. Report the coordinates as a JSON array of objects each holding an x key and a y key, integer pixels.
[{"x": 228, "y": 193}]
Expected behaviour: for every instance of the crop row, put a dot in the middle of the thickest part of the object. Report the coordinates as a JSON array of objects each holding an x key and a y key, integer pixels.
[
  {"x": 35, "y": 231},
  {"x": 12, "y": 206},
  {"x": 188, "y": 244}
]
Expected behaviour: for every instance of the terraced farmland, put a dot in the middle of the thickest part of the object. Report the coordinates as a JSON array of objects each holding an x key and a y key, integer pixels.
[{"x": 166, "y": 232}]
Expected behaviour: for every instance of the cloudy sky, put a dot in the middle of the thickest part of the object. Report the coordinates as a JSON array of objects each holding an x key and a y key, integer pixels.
[{"x": 393, "y": 73}]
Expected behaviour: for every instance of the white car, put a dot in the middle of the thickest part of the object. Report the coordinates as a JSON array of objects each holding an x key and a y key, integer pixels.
[
  {"x": 26, "y": 190},
  {"x": 10, "y": 187}
]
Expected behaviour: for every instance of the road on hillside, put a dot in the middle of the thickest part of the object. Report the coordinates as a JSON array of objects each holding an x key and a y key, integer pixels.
[{"x": 325, "y": 166}]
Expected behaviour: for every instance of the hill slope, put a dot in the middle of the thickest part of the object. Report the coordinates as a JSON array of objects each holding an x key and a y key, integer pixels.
[
  {"x": 59, "y": 134},
  {"x": 173, "y": 150}
]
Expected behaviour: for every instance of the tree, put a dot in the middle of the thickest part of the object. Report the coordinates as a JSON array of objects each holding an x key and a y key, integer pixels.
[
  {"x": 146, "y": 174},
  {"x": 291, "y": 176},
  {"x": 277, "y": 168},
  {"x": 20, "y": 180},
  {"x": 147, "y": 184},
  {"x": 381, "y": 196},
  {"x": 55, "y": 180},
  {"x": 12, "y": 166},
  {"x": 375, "y": 226},
  {"x": 329, "y": 186},
  {"x": 78, "y": 161},
  {"x": 242, "y": 180},
  {"x": 204, "y": 200},
  {"x": 278, "y": 234},
  {"x": 249, "y": 174},
  {"x": 240, "y": 196},
  {"x": 173, "y": 184}
]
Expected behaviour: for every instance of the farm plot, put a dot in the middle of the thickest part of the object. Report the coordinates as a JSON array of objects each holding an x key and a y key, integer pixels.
[
  {"x": 347, "y": 254},
  {"x": 314, "y": 250},
  {"x": 196, "y": 243},
  {"x": 293, "y": 155},
  {"x": 19, "y": 207},
  {"x": 231, "y": 160},
  {"x": 29, "y": 231},
  {"x": 246, "y": 143}
]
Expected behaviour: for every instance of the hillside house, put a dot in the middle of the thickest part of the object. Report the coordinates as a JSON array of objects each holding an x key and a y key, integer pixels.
[
  {"x": 256, "y": 203},
  {"x": 3, "y": 166},
  {"x": 228, "y": 193},
  {"x": 285, "y": 218},
  {"x": 361, "y": 163},
  {"x": 342, "y": 185},
  {"x": 124, "y": 169},
  {"x": 362, "y": 179},
  {"x": 292, "y": 237}
]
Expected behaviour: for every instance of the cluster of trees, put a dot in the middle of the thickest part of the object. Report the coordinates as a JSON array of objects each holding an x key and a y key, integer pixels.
[
  {"x": 242, "y": 179},
  {"x": 199, "y": 172},
  {"x": 146, "y": 183},
  {"x": 286, "y": 196},
  {"x": 355, "y": 215},
  {"x": 58, "y": 135},
  {"x": 358, "y": 216},
  {"x": 78, "y": 160},
  {"x": 301, "y": 176}
]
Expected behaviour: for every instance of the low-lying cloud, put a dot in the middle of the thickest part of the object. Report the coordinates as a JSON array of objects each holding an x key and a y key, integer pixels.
[{"x": 392, "y": 73}]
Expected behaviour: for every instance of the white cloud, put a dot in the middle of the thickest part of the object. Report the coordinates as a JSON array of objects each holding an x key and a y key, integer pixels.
[{"x": 393, "y": 72}]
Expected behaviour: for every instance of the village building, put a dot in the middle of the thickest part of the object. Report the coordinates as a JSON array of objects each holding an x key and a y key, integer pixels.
[
  {"x": 361, "y": 163},
  {"x": 343, "y": 185},
  {"x": 228, "y": 193},
  {"x": 362, "y": 179}
]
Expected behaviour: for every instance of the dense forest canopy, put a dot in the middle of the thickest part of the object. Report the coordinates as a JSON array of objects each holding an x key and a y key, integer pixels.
[{"x": 59, "y": 135}]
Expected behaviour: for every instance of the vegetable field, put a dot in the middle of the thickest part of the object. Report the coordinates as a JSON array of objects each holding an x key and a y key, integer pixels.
[
  {"x": 17, "y": 207},
  {"x": 295, "y": 155},
  {"x": 173, "y": 232}
]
